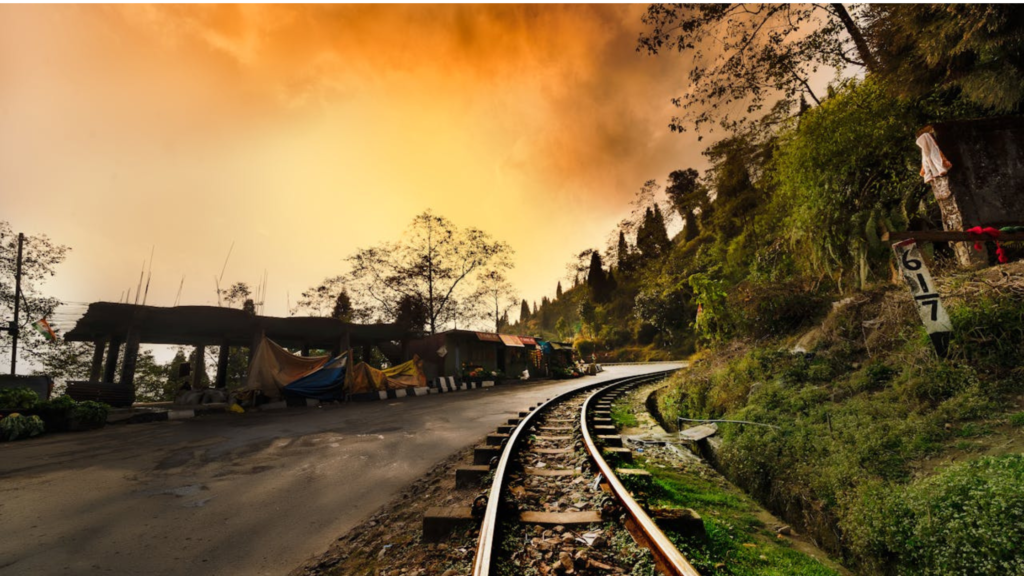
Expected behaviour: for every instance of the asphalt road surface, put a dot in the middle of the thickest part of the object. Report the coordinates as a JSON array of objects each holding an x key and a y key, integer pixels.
[{"x": 232, "y": 494}]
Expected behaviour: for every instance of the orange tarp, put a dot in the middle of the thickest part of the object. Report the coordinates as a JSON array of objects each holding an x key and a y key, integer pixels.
[
  {"x": 363, "y": 378},
  {"x": 273, "y": 368}
]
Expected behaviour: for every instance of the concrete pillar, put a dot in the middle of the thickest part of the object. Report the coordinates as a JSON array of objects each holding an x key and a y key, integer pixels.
[
  {"x": 199, "y": 367},
  {"x": 131, "y": 357},
  {"x": 222, "y": 366},
  {"x": 97, "y": 361},
  {"x": 113, "y": 351}
]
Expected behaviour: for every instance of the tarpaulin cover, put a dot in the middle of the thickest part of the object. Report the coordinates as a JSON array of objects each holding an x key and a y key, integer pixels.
[
  {"x": 406, "y": 375},
  {"x": 527, "y": 340},
  {"x": 327, "y": 383},
  {"x": 546, "y": 347},
  {"x": 511, "y": 341},
  {"x": 363, "y": 378},
  {"x": 273, "y": 368}
]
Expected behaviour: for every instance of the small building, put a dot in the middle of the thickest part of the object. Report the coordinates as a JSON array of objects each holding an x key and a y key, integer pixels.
[{"x": 459, "y": 352}]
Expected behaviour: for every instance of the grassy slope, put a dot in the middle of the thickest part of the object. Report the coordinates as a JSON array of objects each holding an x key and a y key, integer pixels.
[
  {"x": 741, "y": 536},
  {"x": 871, "y": 420}
]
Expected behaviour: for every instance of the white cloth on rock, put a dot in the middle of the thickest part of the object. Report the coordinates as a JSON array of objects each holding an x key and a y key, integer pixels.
[{"x": 933, "y": 162}]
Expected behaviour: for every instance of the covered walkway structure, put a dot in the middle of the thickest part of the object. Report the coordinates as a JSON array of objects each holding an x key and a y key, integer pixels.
[{"x": 109, "y": 325}]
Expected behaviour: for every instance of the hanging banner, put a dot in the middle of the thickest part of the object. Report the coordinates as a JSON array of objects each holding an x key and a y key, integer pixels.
[{"x": 926, "y": 296}]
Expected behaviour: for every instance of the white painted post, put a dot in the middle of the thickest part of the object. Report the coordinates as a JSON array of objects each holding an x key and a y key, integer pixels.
[{"x": 926, "y": 296}]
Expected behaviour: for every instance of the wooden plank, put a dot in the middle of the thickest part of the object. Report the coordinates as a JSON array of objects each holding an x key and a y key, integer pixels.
[
  {"x": 496, "y": 439},
  {"x": 553, "y": 438},
  {"x": 552, "y": 450},
  {"x": 556, "y": 428},
  {"x": 559, "y": 518},
  {"x": 438, "y": 523},
  {"x": 551, "y": 472}
]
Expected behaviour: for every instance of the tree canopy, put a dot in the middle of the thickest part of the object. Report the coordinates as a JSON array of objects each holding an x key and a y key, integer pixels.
[
  {"x": 435, "y": 262},
  {"x": 744, "y": 57}
]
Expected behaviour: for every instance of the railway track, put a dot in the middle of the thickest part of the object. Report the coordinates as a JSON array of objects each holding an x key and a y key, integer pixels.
[{"x": 555, "y": 493}]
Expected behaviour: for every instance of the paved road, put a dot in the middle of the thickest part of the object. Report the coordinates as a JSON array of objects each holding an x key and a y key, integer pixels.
[{"x": 232, "y": 494}]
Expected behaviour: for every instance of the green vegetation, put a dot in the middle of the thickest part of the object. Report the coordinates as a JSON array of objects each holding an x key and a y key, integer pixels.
[
  {"x": 15, "y": 426},
  {"x": 738, "y": 542},
  {"x": 622, "y": 416},
  {"x": 60, "y": 414},
  {"x": 862, "y": 415},
  {"x": 17, "y": 398},
  {"x": 781, "y": 287},
  {"x": 967, "y": 520}
]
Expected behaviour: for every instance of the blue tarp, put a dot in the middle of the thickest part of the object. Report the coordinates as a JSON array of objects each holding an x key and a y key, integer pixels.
[
  {"x": 545, "y": 347},
  {"x": 327, "y": 383}
]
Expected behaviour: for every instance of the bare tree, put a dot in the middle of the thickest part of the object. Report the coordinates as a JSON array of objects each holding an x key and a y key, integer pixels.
[{"x": 432, "y": 262}]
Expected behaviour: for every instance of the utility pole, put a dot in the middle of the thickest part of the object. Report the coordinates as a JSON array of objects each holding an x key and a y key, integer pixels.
[{"x": 13, "y": 329}]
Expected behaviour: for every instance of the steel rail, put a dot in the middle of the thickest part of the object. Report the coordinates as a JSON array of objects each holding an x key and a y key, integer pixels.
[
  {"x": 483, "y": 562},
  {"x": 666, "y": 555},
  {"x": 489, "y": 526}
]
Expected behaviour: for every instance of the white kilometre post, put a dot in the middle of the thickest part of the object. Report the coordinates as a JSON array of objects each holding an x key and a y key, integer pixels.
[{"x": 926, "y": 296}]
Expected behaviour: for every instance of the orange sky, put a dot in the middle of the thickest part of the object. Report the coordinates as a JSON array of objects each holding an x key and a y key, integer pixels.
[{"x": 300, "y": 133}]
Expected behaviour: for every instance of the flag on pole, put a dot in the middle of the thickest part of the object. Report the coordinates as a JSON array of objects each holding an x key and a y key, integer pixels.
[{"x": 43, "y": 327}]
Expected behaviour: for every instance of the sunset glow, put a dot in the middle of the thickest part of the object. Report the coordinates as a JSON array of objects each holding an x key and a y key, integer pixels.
[{"x": 300, "y": 133}]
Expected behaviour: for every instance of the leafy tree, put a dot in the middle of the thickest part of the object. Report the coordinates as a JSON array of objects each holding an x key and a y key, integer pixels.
[
  {"x": 587, "y": 313},
  {"x": 597, "y": 279},
  {"x": 624, "y": 256},
  {"x": 845, "y": 174},
  {"x": 152, "y": 382},
  {"x": 496, "y": 291},
  {"x": 40, "y": 257},
  {"x": 175, "y": 381},
  {"x": 524, "y": 311},
  {"x": 579, "y": 266},
  {"x": 431, "y": 263},
  {"x": 411, "y": 313},
  {"x": 328, "y": 299},
  {"x": 687, "y": 196},
  {"x": 343, "y": 309},
  {"x": 237, "y": 294},
  {"x": 65, "y": 361},
  {"x": 744, "y": 55},
  {"x": 736, "y": 196},
  {"x": 652, "y": 238},
  {"x": 975, "y": 48},
  {"x": 562, "y": 328}
]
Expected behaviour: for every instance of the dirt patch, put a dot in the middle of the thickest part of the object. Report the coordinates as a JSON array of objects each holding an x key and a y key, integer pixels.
[{"x": 389, "y": 542}]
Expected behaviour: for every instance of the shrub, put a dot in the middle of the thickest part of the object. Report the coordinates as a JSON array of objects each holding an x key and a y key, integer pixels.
[
  {"x": 91, "y": 414},
  {"x": 776, "y": 309},
  {"x": 17, "y": 426},
  {"x": 967, "y": 520},
  {"x": 989, "y": 332},
  {"x": 18, "y": 399}
]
